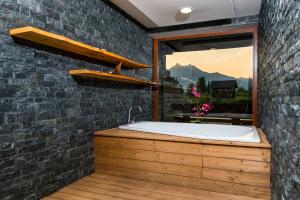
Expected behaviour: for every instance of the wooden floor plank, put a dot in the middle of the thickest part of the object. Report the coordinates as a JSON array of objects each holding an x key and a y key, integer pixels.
[
  {"x": 50, "y": 198},
  {"x": 166, "y": 189},
  {"x": 99, "y": 188},
  {"x": 159, "y": 191},
  {"x": 187, "y": 182},
  {"x": 107, "y": 187},
  {"x": 64, "y": 196},
  {"x": 74, "y": 190},
  {"x": 154, "y": 191},
  {"x": 130, "y": 193}
]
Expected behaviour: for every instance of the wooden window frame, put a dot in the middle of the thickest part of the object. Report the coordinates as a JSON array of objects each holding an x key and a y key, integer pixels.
[{"x": 253, "y": 29}]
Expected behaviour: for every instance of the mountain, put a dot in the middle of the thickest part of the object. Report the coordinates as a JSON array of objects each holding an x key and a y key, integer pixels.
[{"x": 189, "y": 74}]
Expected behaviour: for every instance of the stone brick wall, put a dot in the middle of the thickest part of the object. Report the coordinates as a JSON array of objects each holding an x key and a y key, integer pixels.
[
  {"x": 47, "y": 118},
  {"x": 279, "y": 92}
]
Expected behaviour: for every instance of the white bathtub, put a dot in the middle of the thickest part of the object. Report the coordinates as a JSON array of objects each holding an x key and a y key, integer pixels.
[{"x": 200, "y": 131}]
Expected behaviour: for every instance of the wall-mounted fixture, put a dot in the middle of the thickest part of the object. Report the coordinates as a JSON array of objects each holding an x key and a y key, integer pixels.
[
  {"x": 110, "y": 77},
  {"x": 129, "y": 114},
  {"x": 66, "y": 44},
  {"x": 186, "y": 10}
]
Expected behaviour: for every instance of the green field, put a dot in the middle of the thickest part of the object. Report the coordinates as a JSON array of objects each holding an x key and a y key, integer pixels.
[{"x": 205, "y": 98}]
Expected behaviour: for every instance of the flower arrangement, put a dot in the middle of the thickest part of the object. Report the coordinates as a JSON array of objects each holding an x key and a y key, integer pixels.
[{"x": 203, "y": 109}]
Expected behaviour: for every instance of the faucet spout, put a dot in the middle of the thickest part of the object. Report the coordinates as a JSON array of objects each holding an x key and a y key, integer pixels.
[
  {"x": 129, "y": 114},
  {"x": 140, "y": 109}
]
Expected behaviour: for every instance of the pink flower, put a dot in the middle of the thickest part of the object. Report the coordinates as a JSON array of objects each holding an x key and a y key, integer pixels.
[
  {"x": 195, "y": 93},
  {"x": 201, "y": 114},
  {"x": 206, "y": 108},
  {"x": 194, "y": 110}
]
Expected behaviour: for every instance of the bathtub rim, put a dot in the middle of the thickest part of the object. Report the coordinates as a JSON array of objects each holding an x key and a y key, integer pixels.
[
  {"x": 186, "y": 134},
  {"x": 130, "y": 134}
]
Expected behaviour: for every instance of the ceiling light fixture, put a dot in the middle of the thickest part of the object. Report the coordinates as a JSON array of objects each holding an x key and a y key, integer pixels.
[{"x": 186, "y": 10}]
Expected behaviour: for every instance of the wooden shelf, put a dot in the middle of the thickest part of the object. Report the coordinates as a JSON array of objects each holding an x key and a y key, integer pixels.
[
  {"x": 109, "y": 76},
  {"x": 60, "y": 42}
]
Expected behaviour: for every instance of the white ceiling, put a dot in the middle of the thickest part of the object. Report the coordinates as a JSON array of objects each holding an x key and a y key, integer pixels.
[{"x": 159, "y": 13}]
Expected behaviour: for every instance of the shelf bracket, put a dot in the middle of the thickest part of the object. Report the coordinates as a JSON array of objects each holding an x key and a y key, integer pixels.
[{"x": 117, "y": 69}]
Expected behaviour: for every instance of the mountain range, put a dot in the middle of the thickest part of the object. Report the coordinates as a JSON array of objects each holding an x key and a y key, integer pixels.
[{"x": 186, "y": 74}]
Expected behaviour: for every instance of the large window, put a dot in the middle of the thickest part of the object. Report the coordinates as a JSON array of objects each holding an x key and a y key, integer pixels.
[{"x": 209, "y": 81}]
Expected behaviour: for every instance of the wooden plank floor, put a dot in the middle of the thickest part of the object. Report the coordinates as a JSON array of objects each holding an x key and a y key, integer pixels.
[{"x": 99, "y": 186}]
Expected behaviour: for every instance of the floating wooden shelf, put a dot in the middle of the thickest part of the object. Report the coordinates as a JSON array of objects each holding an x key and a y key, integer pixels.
[
  {"x": 109, "y": 76},
  {"x": 60, "y": 42}
]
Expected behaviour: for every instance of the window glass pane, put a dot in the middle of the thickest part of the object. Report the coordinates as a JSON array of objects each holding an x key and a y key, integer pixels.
[{"x": 205, "y": 86}]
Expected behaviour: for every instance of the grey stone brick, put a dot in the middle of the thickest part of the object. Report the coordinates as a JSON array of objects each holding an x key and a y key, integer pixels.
[
  {"x": 279, "y": 92},
  {"x": 47, "y": 118}
]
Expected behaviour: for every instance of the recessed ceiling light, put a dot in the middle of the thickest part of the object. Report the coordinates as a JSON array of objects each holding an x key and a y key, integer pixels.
[{"x": 186, "y": 10}]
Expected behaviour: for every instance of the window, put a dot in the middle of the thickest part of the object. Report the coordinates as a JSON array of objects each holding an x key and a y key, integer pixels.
[{"x": 209, "y": 80}]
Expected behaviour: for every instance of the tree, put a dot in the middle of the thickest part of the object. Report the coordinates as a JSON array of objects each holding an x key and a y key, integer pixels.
[
  {"x": 201, "y": 85},
  {"x": 208, "y": 87},
  {"x": 189, "y": 89},
  {"x": 249, "y": 89},
  {"x": 241, "y": 90}
]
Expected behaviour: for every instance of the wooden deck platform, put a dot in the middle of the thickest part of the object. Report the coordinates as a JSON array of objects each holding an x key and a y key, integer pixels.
[{"x": 99, "y": 186}]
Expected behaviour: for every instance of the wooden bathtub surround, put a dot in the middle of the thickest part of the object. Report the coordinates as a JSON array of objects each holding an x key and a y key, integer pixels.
[
  {"x": 233, "y": 168},
  {"x": 61, "y": 42}
]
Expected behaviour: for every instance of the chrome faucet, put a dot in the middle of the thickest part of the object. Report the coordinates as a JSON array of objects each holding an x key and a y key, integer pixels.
[{"x": 129, "y": 114}]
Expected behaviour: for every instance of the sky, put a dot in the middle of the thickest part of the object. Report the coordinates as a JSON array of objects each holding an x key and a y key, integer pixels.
[{"x": 236, "y": 62}]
